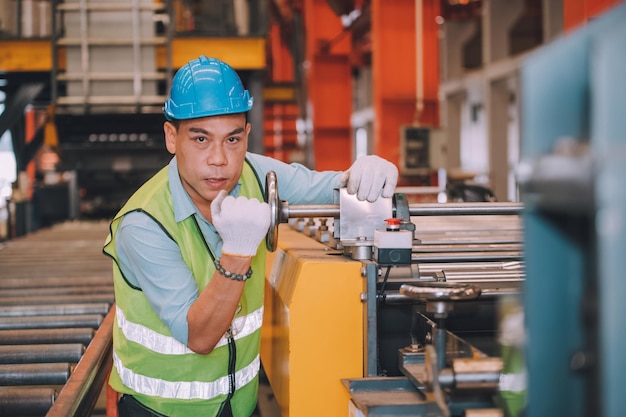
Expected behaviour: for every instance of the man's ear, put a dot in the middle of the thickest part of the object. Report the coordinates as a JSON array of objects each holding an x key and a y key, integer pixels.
[{"x": 170, "y": 137}]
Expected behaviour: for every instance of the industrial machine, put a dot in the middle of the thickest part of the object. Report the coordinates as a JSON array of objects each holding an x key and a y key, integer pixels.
[
  {"x": 391, "y": 308},
  {"x": 465, "y": 325}
]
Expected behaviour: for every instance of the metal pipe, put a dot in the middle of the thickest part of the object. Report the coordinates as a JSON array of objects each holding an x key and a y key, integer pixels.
[
  {"x": 422, "y": 209},
  {"x": 465, "y": 247},
  {"x": 43, "y": 336},
  {"x": 34, "y": 374},
  {"x": 69, "y": 352},
  {"x": 464, "y": 209},
  {"x": 394, "y": 297},
  {"x": 26, "y": 401},
  {"x": 51, "y": 322},
  {"x": 477, "y": 380},
  {"x": 449, "y": 257},
  {"x": 312, "y": 210}
]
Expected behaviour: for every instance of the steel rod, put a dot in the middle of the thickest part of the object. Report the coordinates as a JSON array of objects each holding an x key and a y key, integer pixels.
[
  {"x": 422, "y": 209},
  {"x": 69, "y": 352},
  {"x": 434, "y": 248},
  {"x": 394, "y": 297},
  {"x": 475, "y": 266},
  {"x": 465, "y": 209},
  {"x": 312, "y": 210},
  {"x": 457, "y": 257}
]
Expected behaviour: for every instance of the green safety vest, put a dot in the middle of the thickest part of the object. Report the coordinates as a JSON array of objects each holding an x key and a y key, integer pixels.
[{"x": 148, "y": 362}]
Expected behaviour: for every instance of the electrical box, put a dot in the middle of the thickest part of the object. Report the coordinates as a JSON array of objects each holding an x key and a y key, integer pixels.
[
  {"x": 421, "y": 150},
  {"x": 414, "y": 150}
]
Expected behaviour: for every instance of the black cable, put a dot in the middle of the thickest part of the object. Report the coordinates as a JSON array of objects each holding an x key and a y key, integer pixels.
[{"x": 382, "y": 287}]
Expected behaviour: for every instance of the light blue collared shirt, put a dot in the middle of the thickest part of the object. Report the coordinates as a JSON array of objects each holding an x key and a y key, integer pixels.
[{"x": 152, "y": 261}]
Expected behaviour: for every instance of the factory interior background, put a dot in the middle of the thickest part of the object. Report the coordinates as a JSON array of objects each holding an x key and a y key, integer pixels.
[{"x": 505, "y": 119}]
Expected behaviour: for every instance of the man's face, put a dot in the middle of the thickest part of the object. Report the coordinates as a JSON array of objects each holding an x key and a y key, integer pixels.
[{"x": 210, "y": 152}]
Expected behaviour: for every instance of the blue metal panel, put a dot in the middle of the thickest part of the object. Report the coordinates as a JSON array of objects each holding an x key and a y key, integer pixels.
[
  {"x": 554, "y": 95},
  {"x": 574, "y": 87},
  {"x": 609, "y": 144}
]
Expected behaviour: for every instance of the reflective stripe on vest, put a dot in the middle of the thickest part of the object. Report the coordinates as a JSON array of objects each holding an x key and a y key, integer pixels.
[
  {"x": 188, "y": 390},
  {"x": 241, "y": 327}
]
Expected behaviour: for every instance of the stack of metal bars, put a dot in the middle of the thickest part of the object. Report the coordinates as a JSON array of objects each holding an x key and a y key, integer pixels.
[{"x": 485, "y": 250}]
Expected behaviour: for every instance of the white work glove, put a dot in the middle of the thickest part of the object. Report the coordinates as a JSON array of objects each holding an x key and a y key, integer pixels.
[
  {"x": 242, "y": 223},
  {"x": 369, "y": 176}
]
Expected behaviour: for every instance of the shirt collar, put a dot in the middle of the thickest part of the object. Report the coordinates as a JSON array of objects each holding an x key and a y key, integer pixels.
[{"x": 183, "y": 206}]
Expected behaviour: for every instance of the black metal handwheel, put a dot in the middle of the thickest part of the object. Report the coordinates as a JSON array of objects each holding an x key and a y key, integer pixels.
[{"x": 271, "y": 198}]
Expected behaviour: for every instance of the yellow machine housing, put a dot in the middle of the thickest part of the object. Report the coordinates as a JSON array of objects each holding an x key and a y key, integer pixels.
[{"x": 313, "y": 326}]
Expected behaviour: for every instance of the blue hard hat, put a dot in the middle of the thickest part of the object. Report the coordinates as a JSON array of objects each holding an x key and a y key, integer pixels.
[{"x": 206, "y": 87}]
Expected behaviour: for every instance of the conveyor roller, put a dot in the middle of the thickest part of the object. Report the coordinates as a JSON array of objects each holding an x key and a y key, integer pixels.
[
  {"x": 26, "y": 401},
  {"x": 56, "y": 298},
  {"x": 46, "y": 336},
  {"x": 34, "y": 374},
  {"x": 47, "y": 322},
  {"x": 69, "y": 352}
]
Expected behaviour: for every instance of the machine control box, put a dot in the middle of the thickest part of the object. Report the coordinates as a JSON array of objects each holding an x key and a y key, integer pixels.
[{"x": 393, "y": 246}]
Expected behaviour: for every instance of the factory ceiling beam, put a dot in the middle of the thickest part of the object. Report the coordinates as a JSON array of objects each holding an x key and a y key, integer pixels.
[
  {"x": 25, "y": 55},
  {"x": 245, "y": 53}
]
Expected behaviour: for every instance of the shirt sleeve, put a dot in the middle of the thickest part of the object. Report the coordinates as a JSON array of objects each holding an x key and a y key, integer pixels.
[
  {"x": 296, "y": 183},
  {"x": 150, "y": 260}
]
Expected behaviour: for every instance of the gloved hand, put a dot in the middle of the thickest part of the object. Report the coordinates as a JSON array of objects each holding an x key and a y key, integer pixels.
[
  {"x": 370, "y": 175},
  {"x": 242, "y": 223}
]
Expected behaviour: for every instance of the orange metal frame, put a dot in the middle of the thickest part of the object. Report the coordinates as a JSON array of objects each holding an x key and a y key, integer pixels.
[
  {"x": 329, "y": 84},
  {"x": 280, "y": 106},
  {"x": 577, "y": 12},
  {"x": 394, "y": 71}
]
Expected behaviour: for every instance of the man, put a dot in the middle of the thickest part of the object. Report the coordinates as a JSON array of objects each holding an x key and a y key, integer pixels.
[{"x": 188, "y": 264}]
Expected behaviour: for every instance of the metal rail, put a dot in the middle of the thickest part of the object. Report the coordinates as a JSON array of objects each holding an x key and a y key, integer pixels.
[{"x": 421, "y": 209}]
